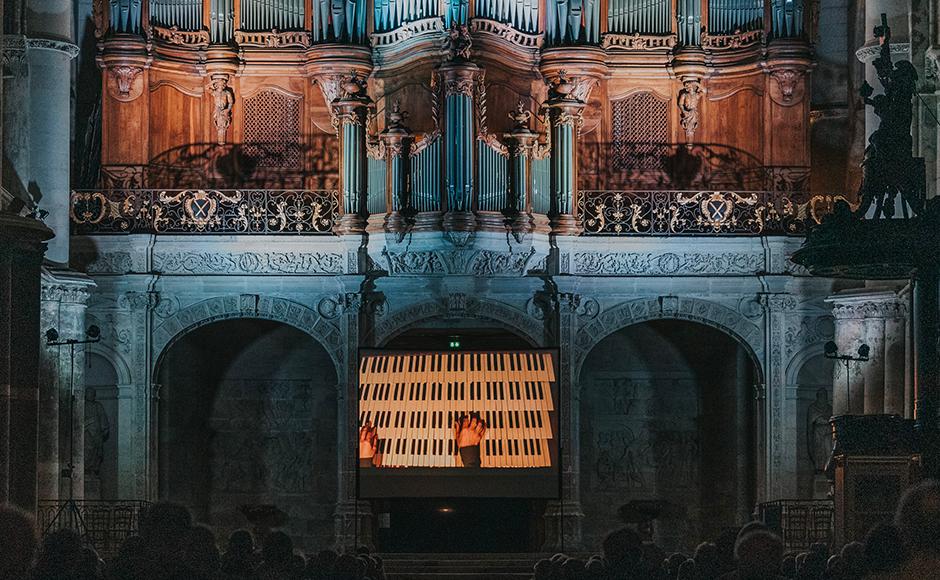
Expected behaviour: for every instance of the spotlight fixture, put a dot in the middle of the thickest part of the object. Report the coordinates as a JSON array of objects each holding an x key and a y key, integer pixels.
[
  {"x": 93, "y": 332},
  {"x": 832, "y": 351},
  {"x": 52, "y": 335}
]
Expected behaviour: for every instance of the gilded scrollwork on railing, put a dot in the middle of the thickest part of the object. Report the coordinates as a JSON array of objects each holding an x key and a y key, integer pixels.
[
  {"x": 273, "y": 39},
  {"x": 203, "y": 211},
  {"x": 702, "y": 212},
  {"x": 186, "y": 38},
  {"x": 637, "y": 41},
  {"x": 732, "y": 41}
]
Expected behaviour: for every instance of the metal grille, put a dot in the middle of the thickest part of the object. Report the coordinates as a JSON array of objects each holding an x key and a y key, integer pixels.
[
  {"x": 272, "y": 130},
  {"x": 640, "y": 129}
]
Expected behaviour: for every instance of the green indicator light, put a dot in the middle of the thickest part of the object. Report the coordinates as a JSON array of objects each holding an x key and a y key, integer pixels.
[{"x": 455, "y": 344}]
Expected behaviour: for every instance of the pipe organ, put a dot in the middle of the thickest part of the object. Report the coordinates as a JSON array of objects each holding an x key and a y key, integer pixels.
[
  {"x": 565, "y": 21},
  {"x": 414, "y": 400}
]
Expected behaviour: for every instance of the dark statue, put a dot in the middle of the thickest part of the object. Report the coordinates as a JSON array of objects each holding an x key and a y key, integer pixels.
[{"x": 889, "y": 166}]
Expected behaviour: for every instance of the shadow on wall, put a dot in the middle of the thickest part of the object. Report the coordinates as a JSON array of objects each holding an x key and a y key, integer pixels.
[
  {"x": 678, "y": 166},
  {"x": 269, "y": 165},
  {"x": 667, "y": 416},
  {"x": 248, "y": 424}
]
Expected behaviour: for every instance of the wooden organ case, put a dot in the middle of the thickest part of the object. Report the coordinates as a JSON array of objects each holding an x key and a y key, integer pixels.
[{"x": 414, "y": 400}]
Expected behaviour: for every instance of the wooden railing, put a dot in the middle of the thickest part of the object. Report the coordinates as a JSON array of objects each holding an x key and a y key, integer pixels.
[{"x": 801, "y": 523}]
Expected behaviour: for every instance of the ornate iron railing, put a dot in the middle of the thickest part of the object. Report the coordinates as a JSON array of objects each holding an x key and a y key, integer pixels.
[
  {"x": 192, "y": 211},
  {"x": 103, "y": 524},
  {"x": 665, "y": 213},
  {"x": 801, "y": 523}
]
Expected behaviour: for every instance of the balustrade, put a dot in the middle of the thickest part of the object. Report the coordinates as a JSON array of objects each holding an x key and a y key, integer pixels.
[
  {"x": 563, "y": 22},
  {"x": 103, "y": 524}
]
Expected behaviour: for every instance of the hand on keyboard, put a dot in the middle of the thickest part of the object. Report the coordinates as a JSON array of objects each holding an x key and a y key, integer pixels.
[
  {"x": 469, "y": 431},
  {"x": 368, "y": 441}
]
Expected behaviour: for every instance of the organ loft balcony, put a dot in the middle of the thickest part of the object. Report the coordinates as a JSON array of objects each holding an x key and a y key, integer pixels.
[{"x": 643, "y": 117}]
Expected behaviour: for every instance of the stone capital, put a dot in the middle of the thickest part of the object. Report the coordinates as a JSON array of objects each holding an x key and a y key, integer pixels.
[{"x": 865, "y": 306}]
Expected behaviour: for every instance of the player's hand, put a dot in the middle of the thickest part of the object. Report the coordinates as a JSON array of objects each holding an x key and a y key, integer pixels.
[
  {"x": 469, "y": 431},
  {"x": 368, "y": 439}
]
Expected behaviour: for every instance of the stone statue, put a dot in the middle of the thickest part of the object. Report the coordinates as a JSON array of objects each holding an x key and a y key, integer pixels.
[
  {"x": 819, "y": 431},
  {"x": 889, "y": 167},
  {"x": 97, "y": 430}
]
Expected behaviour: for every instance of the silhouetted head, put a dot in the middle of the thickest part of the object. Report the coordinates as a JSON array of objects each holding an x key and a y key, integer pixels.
[
  {"x": 918, "y": 518},
  {"x": 623, "y": 548},
  {"x": 164, "y": 529},
  {"x": 241, "y": 542},
  {"x": 883, "y": 549},
  {"x": 759, "y": 554},
  {"x": 18, "y": 538},
  {"x": 60, "y": 553},
  {"x": 277, "y": 548}
]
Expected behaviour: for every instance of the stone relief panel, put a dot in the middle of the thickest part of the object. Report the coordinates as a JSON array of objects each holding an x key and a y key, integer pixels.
[
  {"x": 458, "y": 261},
  {"x": 248, "y": 263},
  {"x": 667, "y": 263}
]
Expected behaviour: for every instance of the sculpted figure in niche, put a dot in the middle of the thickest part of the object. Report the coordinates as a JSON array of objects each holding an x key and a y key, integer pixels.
[
  {"x": 97, "y": 430},
  {"x": 819, "y": 431}
]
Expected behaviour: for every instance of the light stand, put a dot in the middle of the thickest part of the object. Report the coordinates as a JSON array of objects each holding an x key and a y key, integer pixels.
[
  {"x": 70, "y": 508},
  {"x": 832, "y": 352}
]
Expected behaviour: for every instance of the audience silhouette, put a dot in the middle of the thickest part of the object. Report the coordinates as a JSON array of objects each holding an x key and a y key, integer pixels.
[{"x": 170, "y": 547}]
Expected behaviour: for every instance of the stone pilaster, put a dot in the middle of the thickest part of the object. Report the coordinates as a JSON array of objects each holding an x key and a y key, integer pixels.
[
  {"x": 21, "y": 250},
  {"x": 878, "y": 386},
  {"x": 780, "y": 473},
  {"x": 61, "y": 388},
  {"x": 564, "y": 518},
  {"x": 352, "y": 518}
]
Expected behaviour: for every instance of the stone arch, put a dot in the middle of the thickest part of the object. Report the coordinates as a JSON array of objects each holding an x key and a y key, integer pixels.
[
  {"x": 124, "y": 374},
  {"x": 669, "y": 307},
  {"x": 800, "y": 358},
  {"x": 292, "y": 313},
  {"x": 458, "y": 306}
]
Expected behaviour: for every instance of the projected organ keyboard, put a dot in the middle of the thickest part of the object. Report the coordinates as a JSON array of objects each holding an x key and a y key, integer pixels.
[{"x": 413, "y": 399}]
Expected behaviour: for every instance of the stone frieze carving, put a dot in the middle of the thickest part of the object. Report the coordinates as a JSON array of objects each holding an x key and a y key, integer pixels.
[
  {"x": 807, "y": 330},
  {"x": 668, "y": 263},
  {"x": 111, "y": 263},
  {"x": 248, "y": 263},
  {"x": 15, "y": 62},
  {"x": 887, "y": 308},
  {"x": 473, "y": 262}
]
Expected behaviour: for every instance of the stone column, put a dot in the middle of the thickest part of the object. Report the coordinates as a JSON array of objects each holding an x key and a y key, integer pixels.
[
  {"x": 62, "y": 379},
  {"x": 877, "y": 386},
  {"x": 458, "y": 77},
  {"x": 21, "y": 250},
  {"x": 564, "y": 518},
  {"x": 349, "y": 115},
  {"x": 49, "y": 49}
]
